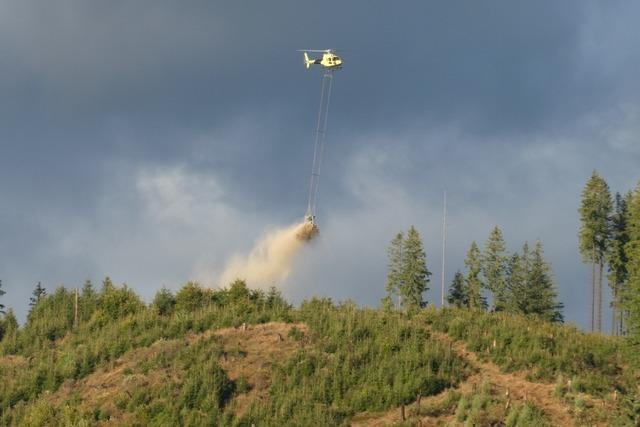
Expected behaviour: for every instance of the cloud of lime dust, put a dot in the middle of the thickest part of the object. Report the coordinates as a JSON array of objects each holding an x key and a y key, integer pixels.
[{"x": 271, "y": 259}]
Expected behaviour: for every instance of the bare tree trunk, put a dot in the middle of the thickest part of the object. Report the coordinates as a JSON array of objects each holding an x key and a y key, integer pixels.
[
  {"x": 75, "y": 310},
  {"x": 614, "y": 312},
  {"x": 600, "y": 272},
  {"x": 593, "y": 288}
]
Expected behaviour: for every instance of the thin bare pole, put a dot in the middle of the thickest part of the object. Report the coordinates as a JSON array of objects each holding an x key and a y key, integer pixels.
[
  {"x": 75, "y": 311},
  {"x": 444, "y": 247}
]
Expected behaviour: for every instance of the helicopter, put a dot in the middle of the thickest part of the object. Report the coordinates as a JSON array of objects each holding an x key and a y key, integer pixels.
[{"x": 329, "y": 59}]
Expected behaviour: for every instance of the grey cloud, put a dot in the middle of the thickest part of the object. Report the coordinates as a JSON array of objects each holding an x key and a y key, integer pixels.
[{"x": 507, "y": 105}]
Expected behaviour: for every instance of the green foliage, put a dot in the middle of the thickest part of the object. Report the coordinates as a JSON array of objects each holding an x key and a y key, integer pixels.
[
  {"x": 494, "y": 268},
  {"x": 531, "y": 290},
  {"x": 545, "y": 349},
  {"x": 8, "y": 326},
  {"x": 87, "y": 302},
  {"x": 395, "y": 267},
  {"x": 540, "y": 300},
  {"x": 164, "y": 302},
  {"x": 526, "y": 415},
  {"x": 192, "y": 297},
  {"x": 38, "y": 293},
  {"x": 408, "y": 276},
  {"x": 361, "y": 360},
  {"x": 415, "y": 275},
  {"x": 617, "y": 258},
  {"x": 474, "y": 284},
  {"x": 594, "y": 237},
  {"x": 116, "y": 303},
  {"x": 457, "y": 291},
  {"x": 595, "y": 209},
  {"x": 121, "y": 325},
  {"x": 632, "y": 252}
]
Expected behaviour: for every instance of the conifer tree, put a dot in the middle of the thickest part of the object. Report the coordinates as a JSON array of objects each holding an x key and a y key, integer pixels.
[
  {"x": 632, "y": 252},
  {"x": 595, "y": 211},
  {"x": 474, "y": 284},
  {"x": 38, "y": 293},
  {"x": 8, "y": 325},
  {"x": 457, "y": 291},
  {"x": 395, "y": 267},
  {"x": 88, "y": 303},
  {"x": 617, "y": 260},
  {"x": 517, "y": 274},
  {"x": 542, "y": 295},
  {"x": 414, "y": 277},
  {"x": 1, "y": 294},
  {"x": 494, "y": 268},
  {"x": 164, "y": 302}
]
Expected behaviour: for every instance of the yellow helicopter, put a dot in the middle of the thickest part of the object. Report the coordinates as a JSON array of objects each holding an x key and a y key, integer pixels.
[{"x": 329, "y": 59}]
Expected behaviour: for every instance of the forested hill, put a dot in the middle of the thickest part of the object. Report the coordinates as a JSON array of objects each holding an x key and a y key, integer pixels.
[{"x": 242, "y": 357}]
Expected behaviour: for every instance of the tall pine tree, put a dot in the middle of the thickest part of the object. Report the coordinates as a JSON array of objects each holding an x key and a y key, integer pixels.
[
  {"x": 474, "y": 284},
  {"x": 632, "y": 252},
  {"x": 38, "y": 293},
  {"x": 395, "y": 268},
  {"x": 415, "y": 275},
  {"x": 617, "y": 261},
  {"x": 457, "y": 292},
  {"x": 494, "y": 268},
  {"x": 595, "y": 210}
]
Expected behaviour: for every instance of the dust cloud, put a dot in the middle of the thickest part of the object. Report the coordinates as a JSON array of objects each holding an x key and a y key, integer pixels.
[{"x": 271, "y": 259}]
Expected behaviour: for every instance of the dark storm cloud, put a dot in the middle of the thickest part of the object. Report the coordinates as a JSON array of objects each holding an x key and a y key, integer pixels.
[{"x": 111, "y": 111}]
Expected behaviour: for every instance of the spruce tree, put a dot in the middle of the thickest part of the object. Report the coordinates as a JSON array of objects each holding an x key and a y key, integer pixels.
[
  {"x": 595, "y": 211},
  {"x": 632, "y": 252},
  {"x": 517, "y": 274},
  {"x": 542, "y": 295},
  {"x": 457, "y": 292},
  {"x": 414, "y": 274},
  {"x": 1, "y": 294},
  {"x": 88, "y": 302},
  {"x": 494, "y": 268},
  {"x": 8, "y": 325},
  {"x": 617, "y": 260},
  {"x": 38, "y": 293},
  {"x": 474, "y": 284},
  {"x": 395, "y": 267}
]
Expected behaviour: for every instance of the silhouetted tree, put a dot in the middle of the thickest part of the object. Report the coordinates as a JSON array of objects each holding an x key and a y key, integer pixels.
[
  {"x": 1, "y": 294},
  {"x": 457, "y": 291},
  {"x": 38, "y": 293}
]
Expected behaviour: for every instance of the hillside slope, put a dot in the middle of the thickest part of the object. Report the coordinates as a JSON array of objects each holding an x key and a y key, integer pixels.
[{"x": 239, "y": 357}]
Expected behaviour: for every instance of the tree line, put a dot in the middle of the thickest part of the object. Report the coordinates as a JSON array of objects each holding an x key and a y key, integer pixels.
[
  {"x": 519, "y": 283},
  {"x": 609, "y": 238}
]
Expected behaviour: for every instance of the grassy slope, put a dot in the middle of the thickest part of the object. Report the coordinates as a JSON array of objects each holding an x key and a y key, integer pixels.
[{"x": 325, "y": 365}]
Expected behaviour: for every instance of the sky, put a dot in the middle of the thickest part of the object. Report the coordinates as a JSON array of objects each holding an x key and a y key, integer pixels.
[{"x": 152, "y": 140}]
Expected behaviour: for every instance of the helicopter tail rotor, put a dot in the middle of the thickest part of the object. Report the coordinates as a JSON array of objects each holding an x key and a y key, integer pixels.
[{"x": 307, "y": 61}]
